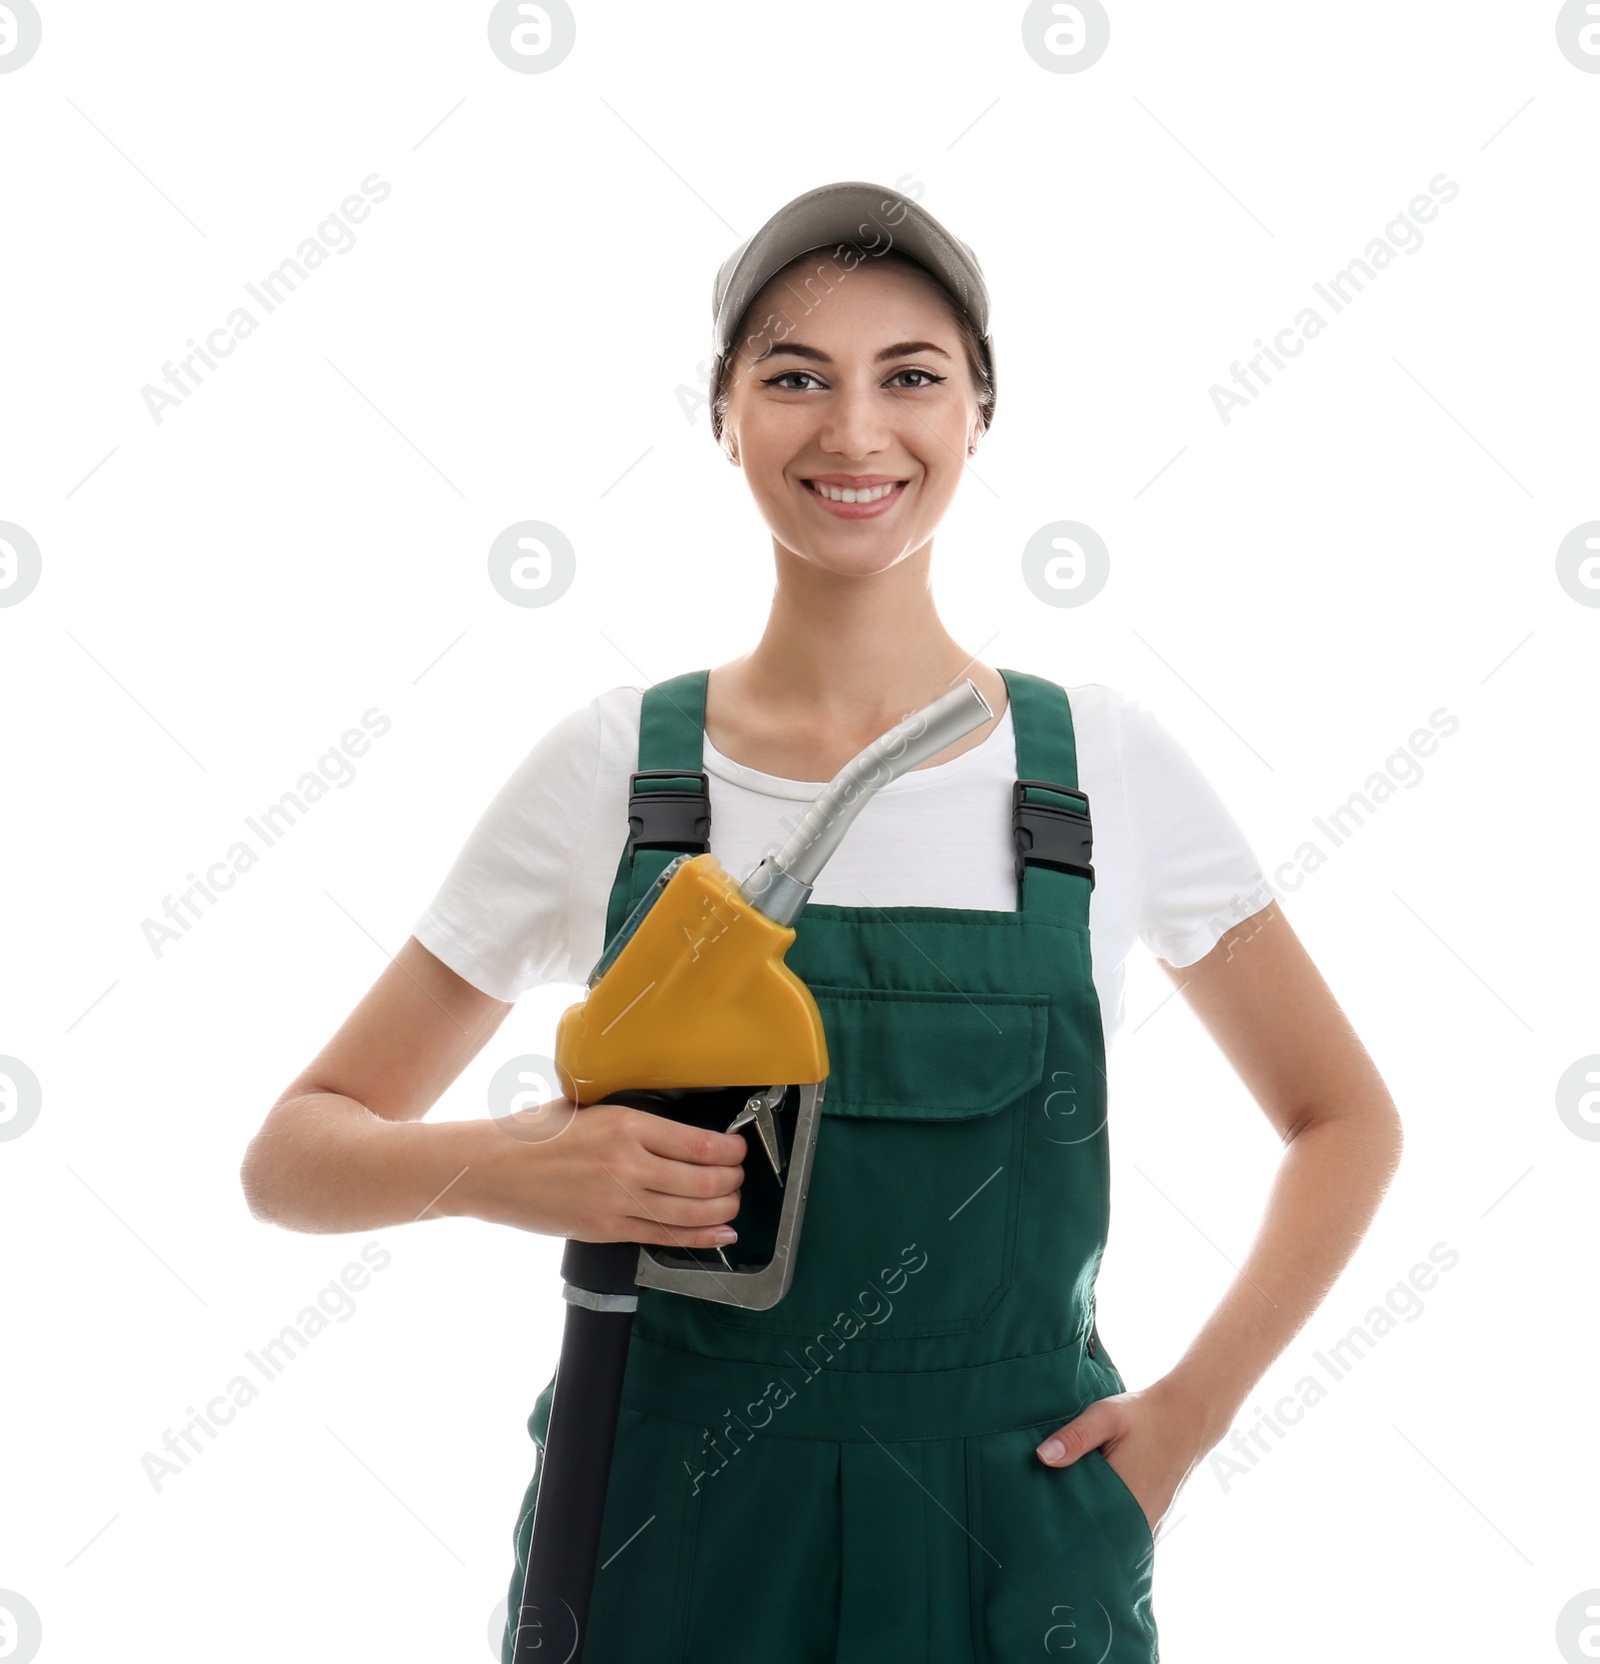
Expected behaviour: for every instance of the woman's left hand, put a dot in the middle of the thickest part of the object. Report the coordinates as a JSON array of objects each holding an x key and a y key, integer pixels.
[{"x": 1151, "y": 1439}]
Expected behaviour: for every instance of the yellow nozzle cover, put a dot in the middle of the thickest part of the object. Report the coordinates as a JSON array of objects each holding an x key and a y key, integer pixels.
[{"x": 699, "y": 995}]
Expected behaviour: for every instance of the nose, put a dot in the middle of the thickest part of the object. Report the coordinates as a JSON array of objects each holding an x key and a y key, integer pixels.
[{"x": 855, "y": 423}]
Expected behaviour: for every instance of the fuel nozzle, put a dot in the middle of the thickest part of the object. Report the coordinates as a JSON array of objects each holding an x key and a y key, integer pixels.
[{"x": 781, "y": 884}]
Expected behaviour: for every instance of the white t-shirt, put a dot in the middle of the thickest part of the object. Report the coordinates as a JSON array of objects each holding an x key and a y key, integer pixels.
[{"x": 525, "y": 902}]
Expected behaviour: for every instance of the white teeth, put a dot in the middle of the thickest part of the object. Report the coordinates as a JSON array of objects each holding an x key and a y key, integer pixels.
[{"x": 847, "y": 494}]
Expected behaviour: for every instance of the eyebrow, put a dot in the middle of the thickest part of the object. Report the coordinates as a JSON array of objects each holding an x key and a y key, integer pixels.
[{"x": 901, "y": 349}]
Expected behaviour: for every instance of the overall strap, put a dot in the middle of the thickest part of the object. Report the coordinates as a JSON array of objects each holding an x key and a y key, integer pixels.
[
  {"x": 1050, "y": 826},
  {"x": 669, "y": 802}
]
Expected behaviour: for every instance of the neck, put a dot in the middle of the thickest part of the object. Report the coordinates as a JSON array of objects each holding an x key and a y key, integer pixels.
[{"x": 853, "y": 652}]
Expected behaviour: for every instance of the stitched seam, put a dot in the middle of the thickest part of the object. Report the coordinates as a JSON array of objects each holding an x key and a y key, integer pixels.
[{"x": 885, "y": 1374}]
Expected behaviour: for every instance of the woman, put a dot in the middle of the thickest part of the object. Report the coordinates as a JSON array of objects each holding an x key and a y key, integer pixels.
[{"x": 924, "y": 1451}]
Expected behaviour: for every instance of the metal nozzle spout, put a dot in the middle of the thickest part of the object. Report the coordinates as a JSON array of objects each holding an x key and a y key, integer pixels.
[{"x": 781, "y": 884}]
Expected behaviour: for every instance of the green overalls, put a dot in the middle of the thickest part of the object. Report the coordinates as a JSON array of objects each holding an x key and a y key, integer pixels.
[{"x": 850, "y": 1477}]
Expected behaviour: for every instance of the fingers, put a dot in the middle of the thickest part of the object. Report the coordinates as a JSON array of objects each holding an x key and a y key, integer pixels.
[
  {"x": 681, "y": 1183},
  {"x": 678, "y": 1202},
  {"x": 662, "y": 1228},
  {"x": 684, "y": 1212},
  {"x": 678, "y": 1141},
  {"x": 660, "y": 1235},
  {"x": 687, "y": 1178},
  {"x": 1102, "y": 1420},
  {"x": 683, "y": 1222}
]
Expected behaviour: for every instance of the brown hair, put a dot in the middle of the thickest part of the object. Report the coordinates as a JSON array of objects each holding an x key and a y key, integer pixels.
[{"x": 982, "y": 386}]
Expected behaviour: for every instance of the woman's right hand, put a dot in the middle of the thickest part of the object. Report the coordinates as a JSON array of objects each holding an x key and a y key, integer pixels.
[
  {"x": 346, "y": 1146},
  {"x": 607, "y": 1173}
]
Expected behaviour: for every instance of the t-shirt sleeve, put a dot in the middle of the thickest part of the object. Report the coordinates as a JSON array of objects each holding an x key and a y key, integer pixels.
[
  {"x": 1198, "y": 874},
  {"x": 502, "y": 919}
]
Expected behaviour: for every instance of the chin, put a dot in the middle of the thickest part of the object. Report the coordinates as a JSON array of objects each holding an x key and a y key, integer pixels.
[{"x": 849, "y": 563}]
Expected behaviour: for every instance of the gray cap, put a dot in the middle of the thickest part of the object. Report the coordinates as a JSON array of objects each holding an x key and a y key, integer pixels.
[{"x": 876, "y": 218}]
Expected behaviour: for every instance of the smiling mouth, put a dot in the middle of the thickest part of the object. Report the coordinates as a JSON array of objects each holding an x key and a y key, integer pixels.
[{"x": 846, "y": 494}]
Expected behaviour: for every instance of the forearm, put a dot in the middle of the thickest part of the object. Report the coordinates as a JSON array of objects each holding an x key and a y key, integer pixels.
[
  {"x": 1327, "y": 1188},
  {"x": 326, "y": 1163}
]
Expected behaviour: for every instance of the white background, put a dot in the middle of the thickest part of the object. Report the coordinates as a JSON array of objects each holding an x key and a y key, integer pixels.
[{"x": 516, "y": 334}]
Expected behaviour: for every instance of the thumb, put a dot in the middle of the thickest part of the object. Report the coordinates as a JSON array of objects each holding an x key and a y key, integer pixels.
[{"x": 1084, "y": 1432}]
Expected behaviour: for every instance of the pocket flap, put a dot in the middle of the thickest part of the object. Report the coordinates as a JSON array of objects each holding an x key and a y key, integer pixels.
[{"x": 924, "y": 1056}]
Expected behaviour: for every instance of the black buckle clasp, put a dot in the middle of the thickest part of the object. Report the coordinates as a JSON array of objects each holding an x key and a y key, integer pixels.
[
  {"x": 1049, "y": 834},
  {"x": 668, "y": 819}
]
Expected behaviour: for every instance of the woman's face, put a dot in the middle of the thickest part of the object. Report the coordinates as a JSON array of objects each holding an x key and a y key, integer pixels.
[{"x": 851, "y": 378}]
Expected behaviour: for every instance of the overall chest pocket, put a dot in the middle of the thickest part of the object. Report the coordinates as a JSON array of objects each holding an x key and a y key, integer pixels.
[{"x": 911, "y": 1214}]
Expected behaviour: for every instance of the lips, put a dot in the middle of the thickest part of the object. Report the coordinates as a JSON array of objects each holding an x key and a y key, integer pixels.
[{"x": 859, "y": 511}]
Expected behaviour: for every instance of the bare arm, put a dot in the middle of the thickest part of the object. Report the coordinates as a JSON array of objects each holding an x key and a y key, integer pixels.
[
  {"x": 1277, "y": 1022},
  {"x": 341, "y": 1149},
  {"x": 345, "y": 1147}
]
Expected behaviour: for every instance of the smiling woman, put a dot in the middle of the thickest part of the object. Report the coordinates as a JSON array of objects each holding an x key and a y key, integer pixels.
[
  {"x": 953, "y": 1467},
  {"x": 847, "y": 340}
]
